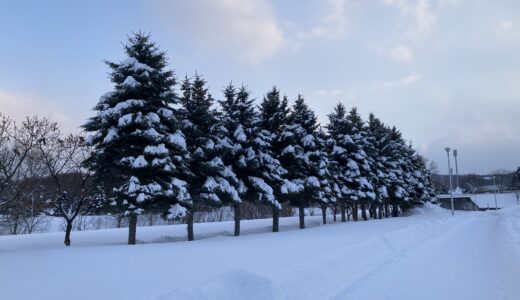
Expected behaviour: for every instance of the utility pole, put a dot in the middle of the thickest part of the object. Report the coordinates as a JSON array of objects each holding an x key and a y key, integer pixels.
[{"x": 448, "y": 149}]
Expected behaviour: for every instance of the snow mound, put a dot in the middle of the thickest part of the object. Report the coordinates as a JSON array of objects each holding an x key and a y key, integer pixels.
[
  {"x": 428, "y": 208},
  {"x": 234, "y": 284}
]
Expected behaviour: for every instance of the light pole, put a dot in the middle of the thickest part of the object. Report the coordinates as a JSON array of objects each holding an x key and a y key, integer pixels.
[
  {"x": 448, "y": 149},
  {"x": 456, "y": 168},
  {"x": 495, "y": 185}
]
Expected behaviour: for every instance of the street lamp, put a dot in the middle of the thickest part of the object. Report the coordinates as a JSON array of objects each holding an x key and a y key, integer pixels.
[
  {"x": 448, "y": 149},
  {"x": 495, "y": 185},
  {"x": 456, "y": 168}
]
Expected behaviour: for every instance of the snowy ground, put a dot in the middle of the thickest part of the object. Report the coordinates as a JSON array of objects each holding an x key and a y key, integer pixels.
[{"x": 429, "y": 255}]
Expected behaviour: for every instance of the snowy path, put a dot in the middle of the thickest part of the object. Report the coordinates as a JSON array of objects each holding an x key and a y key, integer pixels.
[
  {"x": 425, "y": 256},
  {"x": 448, "y": 258},
  {"x": 458, "y": 263}
]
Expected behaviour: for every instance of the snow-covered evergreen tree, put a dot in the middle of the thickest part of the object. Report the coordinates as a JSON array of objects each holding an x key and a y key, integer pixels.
[
  {"x": 304, "y": 159},
  {"x": 364, "y": 193},
  {"x": 328, "y": 180},
  {"x": 258, "y": 173},
  {"x": 350, "y": 143},
  {"x": 396, "y": 166},
  {"x": 139, "y": 147},
  {"x": 421, "y": 190},
  {"x": 274, "y": 113},
  {"x": 210, "y": 181},
  {"x": 339, "y": 144},
  {"x": 378, "y": 137}
]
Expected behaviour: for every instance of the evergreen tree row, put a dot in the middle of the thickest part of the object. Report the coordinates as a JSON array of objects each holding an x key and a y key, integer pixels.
[{"x": 179, "y": 153}]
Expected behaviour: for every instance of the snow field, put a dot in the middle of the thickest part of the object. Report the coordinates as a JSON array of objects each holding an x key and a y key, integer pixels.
[{"x": 428, "y": 255}]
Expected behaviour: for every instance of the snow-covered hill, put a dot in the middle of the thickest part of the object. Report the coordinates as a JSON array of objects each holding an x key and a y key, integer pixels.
[{"x": 428, "y": 255}]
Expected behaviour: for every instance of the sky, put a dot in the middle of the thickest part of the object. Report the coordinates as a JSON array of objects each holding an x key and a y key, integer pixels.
[{"x": 444, "y": 72}]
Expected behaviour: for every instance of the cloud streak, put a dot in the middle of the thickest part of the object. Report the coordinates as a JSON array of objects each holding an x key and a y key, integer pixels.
[{"x": 248, "y": 29}]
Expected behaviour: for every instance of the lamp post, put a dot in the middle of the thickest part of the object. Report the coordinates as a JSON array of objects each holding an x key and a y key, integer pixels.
[
  {"x": 456, "y": 168},
  {"x": 448, "y": 149},
  {"x": 495, "y": 185}
]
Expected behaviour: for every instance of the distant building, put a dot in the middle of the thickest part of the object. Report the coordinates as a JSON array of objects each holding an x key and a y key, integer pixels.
[
  {"x": 472, "y": 202},
  {"x": 460, "y": 202},
  {"x": 488, "y": 188}
]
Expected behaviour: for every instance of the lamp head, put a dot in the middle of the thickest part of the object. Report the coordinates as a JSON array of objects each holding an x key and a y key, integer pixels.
[
  {"x": 455, "y": 152},
  {"x": 448, "y": 149}
]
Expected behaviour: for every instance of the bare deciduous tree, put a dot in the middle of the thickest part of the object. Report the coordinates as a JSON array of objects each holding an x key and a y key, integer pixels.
[
  {"x": 16, "y": 144},
  {"x": 73, "y": 190}
]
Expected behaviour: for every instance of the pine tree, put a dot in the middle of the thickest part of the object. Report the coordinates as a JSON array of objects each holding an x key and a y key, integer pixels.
[
  {"x": 210, "y": 181},
  {"x": 329, "y": 183},
  {"x": 274, "y": 113},
  {"x": 377, "y": 135},
  {"x": 339, "y": 144},
  {"x": 362, "y": 183},
  {"x": 303, "y": 158},
  {"x": 396, "y": 165},
  {"x": 139, "y": 148},
  {"x": 258, "y": 173}
]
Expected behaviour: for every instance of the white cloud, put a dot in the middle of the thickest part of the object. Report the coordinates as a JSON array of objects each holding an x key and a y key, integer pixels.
[
  {"x": 248, "y": 29},
  {"x": 401, "y": 82},
  {"x": 333, "y": 22},
  {"x": 401, "y": 53},
  {"x": 507, "y": 28},
  {"x": 409, "y": 79},
  {"x": 18, "y": 106},
  {"x": 328, "y": 93},
  {"x": 505, "y": 25},
  {"x": 422, "y": 17}
]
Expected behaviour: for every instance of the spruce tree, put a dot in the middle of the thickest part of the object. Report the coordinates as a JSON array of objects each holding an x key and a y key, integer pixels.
[
  {"x": 379, "y": 139},
  {"x": 258, "y": 173},
  {"x": 362, "y": 182},
  {"x": 139, "y": 147},
  {"x": 330, "y": 185},
  {"x": 303, "y": 158},
  {"x": 396, "y": 162},
  {"x": 274, "y": 113},
  {"x": 210, "y": 181},
  {"x": 339, "y": 144}
]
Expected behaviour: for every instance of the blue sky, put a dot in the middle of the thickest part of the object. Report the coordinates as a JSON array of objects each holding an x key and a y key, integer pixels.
[{"x": 445, "y": 72}]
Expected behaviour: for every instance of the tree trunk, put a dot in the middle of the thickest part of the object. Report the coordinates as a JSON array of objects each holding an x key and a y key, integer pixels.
[
  {"x": 237, "y": 218},
  {"x": 324, "y": 213},
  {"x": 354, "y": 211},
  {"x": 132, "y": 228},
  {"x": 343, "y": 212},
  {"x": 15, "y": 228},
  {"x": 395, "y": 210},
  {"x": 373, "y": 211},
  {"x": 387, "y": 211},
  {"x": 335, "y": 210},
  {"x": 364, "y": 211},
  {"x": 379, "y": 212},
  {"x": 276, "y": 219},
  {"x": 301, "y": 213},
  {"x": 189, "y": 222},
  {"x": 68, "y": 229}
]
